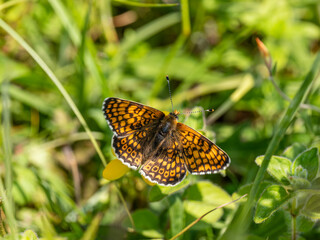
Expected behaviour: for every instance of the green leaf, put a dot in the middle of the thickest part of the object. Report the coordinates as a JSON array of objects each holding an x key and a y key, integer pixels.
[
  {"x": 293, "y": 151},
  {"x": 312, "y": 207},
  {"x": 176, "y": 213},
  {"x": 308, "y": 160},
  {"x": 278, "y": 168},
  {"x": 159, "y": 192},
  {"x": 304, "y": 224},
  {"x": 270, "y": 201},
  {"x": 207, "y": 192},
  {"x": 198, "y": 208}
]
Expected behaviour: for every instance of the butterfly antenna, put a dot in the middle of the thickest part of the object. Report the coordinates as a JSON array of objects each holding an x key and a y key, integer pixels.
[
  {"x": 208, "y": 110},
  {"x": 167, "y": 77}
]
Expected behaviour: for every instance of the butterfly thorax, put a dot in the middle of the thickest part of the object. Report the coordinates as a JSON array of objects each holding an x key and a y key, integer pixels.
[{"x": 165, "y": 131}]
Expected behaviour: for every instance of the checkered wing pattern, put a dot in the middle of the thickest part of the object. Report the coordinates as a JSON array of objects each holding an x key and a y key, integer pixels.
[
  {"x": 129, "y": 149},
  {"x": 125, "y": 117},
  {"x": 167, "y": 167},
  {"x": 200, "y": 154}
]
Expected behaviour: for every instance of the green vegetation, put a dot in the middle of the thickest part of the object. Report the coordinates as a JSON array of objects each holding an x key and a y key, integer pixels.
[{"x": 60, "y": 59}]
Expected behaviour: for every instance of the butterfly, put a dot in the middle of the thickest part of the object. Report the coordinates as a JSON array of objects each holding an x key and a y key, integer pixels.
[{"x": 162, "y": 148}]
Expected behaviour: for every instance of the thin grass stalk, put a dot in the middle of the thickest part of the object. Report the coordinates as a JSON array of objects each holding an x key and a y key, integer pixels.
[
  {"x": 10, "y": 219},
  {"x": 81, "y": 57},
  {"x": 107, "y": 22},
  {"x": 6, "y": 193},
  {"x": 199, "y": 219},
  {"x": 241, "y": 223},
  {"x": 185, "y": 17},
  {"x": 6, "y": 139},
  {"x": 58, "y": 84},
  {"x": 138, "y": 4}
]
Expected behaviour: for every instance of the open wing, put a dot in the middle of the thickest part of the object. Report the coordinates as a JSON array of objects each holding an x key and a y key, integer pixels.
[
  {"x": 200, "y": 154},
  {"x": 125, "y": 117}
]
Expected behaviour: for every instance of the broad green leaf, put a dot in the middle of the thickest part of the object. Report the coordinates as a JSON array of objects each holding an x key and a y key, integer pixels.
[
  {"x": 199, "y": 208},
  {"x": 312, "y": 207},
  {"x": 293, "y": 151},
  {"x": 304, "y": 224},
  {"x": 270, "y": 201},
  {"x": 308, "y": 160},
  {"x": 159, "y": 192},
  {"x": 207, "y": 192},
  {"x": 176, "y": 213},
  {"x": 278, "y": 168}
]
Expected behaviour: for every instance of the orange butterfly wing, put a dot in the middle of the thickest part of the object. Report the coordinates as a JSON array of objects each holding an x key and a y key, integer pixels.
[
  {"x": 200, "y": 154},
  {"x": 125, "y": 117},
  {"x": 131, "y": 123}
]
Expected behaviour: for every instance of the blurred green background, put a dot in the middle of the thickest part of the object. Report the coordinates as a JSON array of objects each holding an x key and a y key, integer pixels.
[{"x": 51, "y": 172}]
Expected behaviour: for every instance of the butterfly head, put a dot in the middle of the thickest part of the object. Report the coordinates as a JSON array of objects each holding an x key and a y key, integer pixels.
[{"x": 175, "y": 113}]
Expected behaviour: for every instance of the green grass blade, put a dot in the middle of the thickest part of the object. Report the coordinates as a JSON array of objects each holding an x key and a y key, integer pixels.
[
  {"x": 139, "y": 4},
  {"x": 6, "y": 194},
  {"x": 55, "y": 80},
  {"x": 185, "y": 17},
  {"x": 240, "y": 224}
]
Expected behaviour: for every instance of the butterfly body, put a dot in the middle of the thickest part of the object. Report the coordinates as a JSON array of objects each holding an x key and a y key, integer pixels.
[{"x": 158, "y": 145}]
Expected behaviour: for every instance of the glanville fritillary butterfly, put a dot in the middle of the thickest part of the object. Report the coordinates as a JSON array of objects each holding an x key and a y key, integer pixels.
[{"x": 162, "y": 148}]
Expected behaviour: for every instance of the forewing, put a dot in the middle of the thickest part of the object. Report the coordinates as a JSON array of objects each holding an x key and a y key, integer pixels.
[
  {"x": 166, "y": 168},
  {"x": 125, "y": 117},
  {"x": 200, "y": 154}
]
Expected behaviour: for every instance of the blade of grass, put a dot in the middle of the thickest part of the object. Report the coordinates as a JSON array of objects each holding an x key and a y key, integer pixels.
[
  {"x": 92, "y": 230},
  {"x": 80, "y": 58},
  {"x": 58, "y": 84},
  {"x": 107, "y": 22},
  {"x": 241, "y": 223},
  {"x": 9, "y": 213},
  {"x": 125, "y": 206},
  {"x": 7, "y": 150},
  {"x": 139, "y": 4},
  {"x": 6, "y": 137},
  {"x": 199, "y": 219},
  {"x": 185, "y": 17}
]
